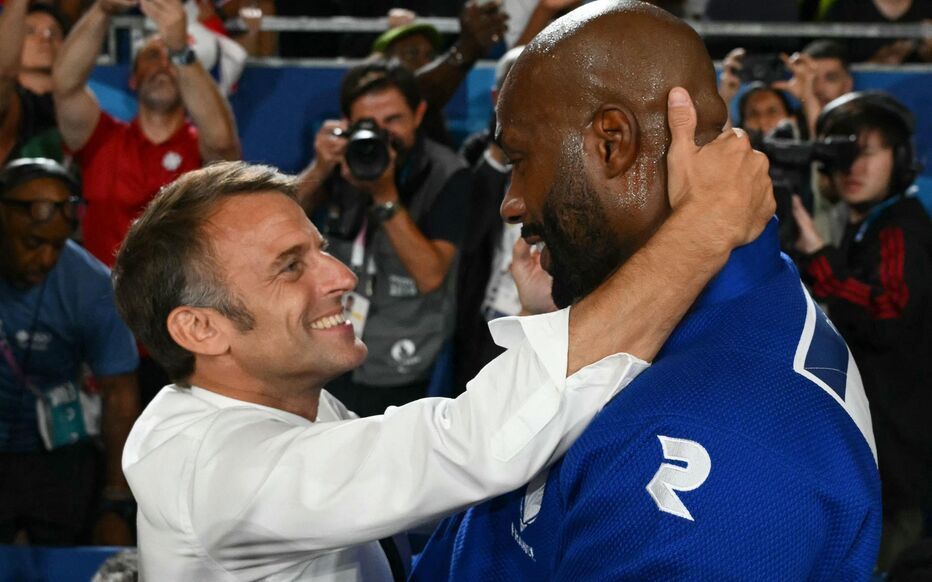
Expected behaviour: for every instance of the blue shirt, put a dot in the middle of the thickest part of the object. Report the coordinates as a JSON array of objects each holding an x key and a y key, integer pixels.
[
  {"x": 745, "y": 452},
  {"x": 77, "y": 324}
]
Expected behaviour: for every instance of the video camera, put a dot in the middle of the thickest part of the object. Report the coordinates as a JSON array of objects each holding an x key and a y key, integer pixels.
[
  {"x": 367, "y": 154},
  {"x": 790, "y": 162}
]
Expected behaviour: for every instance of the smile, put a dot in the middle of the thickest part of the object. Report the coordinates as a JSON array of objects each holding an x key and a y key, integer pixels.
[{"x": 329, "y": 321}]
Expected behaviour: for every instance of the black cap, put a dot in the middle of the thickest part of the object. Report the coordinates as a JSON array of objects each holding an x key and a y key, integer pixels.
[{"x": 24, "y": 170}]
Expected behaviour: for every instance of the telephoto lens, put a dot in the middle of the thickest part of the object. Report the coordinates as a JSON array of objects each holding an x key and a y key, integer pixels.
[{"x": 367, "y": 154}]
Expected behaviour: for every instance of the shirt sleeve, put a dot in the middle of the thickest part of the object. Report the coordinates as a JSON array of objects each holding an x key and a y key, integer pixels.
[
  {"x": 106, "y": 125},
  {"x": 446, "y": 218},
  {"x": 265, "y": 483}
]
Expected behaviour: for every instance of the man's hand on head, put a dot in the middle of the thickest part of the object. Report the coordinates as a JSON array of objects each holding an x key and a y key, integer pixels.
[
  {"x": 723, "y": 185},
  {"x": 170, "y": 19}
]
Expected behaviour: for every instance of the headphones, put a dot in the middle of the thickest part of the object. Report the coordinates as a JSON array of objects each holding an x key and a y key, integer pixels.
[
  {"x": 847, "y": 113},
  {"x": 24, "y": 170}
]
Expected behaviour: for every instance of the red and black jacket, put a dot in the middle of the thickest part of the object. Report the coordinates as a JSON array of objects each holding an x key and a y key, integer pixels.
[{"x": 877, "y": 287}]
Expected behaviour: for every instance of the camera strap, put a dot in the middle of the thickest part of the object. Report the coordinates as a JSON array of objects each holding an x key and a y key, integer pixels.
[{"x": 363, "y": 268}]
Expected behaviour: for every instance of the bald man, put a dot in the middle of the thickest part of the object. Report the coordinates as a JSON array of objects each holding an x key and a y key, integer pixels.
[{"x": 745, "y": 452}]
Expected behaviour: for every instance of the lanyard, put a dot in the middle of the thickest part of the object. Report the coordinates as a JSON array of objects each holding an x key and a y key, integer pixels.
[
  {"x": 358, "y": 259},
  {"x": 20, "y": 371}
]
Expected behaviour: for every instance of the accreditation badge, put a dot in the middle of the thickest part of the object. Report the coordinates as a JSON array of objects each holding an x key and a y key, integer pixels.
[{"x": 356, "y": 306}]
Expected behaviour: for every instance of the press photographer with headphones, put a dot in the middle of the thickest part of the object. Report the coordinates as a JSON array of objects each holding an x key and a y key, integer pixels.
[
  {"x": 57, "y": 315},
  {"x": 877, "y": 285}
]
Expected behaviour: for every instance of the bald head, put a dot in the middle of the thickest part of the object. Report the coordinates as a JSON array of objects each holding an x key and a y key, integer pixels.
[
  {"x": 625, "y": 52},
  {"x": 583, "y": 116}
]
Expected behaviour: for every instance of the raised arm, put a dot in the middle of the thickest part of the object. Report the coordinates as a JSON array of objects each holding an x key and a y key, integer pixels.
[
  {"x": 208, "y": 108},
  {"x": 722, "y": 198},
  {"x": 481, "y": 27},
  {"x": 75, "y": 105},
  {"x": 12, "y": 31}
]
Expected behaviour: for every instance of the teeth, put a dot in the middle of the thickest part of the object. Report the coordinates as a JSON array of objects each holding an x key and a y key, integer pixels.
[
  {"x": 329, "y": 321},
  {"x": 539, "y": 246}
]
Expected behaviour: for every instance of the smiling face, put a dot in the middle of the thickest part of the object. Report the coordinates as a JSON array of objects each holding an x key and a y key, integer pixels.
[
  {"x": 280, "y": 270},
  {"x": 30, "y": 250}
]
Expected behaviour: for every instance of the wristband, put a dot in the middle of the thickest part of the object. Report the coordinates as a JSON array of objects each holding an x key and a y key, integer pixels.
[{"x": 182, "y": 58}]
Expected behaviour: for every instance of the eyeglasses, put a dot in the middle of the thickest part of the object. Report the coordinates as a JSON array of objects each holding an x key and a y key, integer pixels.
[{"x": 43, "y": 210}]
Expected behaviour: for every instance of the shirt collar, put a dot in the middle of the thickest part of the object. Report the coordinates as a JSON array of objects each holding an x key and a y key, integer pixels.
[{"x": 221, "y": 401}]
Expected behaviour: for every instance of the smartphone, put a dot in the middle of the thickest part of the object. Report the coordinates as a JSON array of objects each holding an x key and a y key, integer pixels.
[{"x": 765, "y": 68}]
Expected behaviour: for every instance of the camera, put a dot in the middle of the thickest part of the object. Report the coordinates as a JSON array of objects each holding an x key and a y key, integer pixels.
[
  {"x": 765, "y": 68},
  {"x": 790, "y": 163},
  {"x": 367, "y": 155}
]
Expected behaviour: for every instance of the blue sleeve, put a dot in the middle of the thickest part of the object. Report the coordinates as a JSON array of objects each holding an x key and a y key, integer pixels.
[
  {"x": 109, "y": 346},
  {"x": 634, "y": 511}
]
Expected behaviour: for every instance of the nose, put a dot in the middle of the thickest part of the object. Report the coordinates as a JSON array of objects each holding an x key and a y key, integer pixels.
[
  {"x": 513, "y": 208},
  {"x": 337, "y": 277}
]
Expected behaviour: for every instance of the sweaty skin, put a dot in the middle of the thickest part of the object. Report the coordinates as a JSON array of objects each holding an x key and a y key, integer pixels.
[{"x": 583, "y": 113}]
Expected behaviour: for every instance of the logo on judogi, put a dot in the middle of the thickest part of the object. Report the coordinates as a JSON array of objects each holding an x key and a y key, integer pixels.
[{"x": 533, "y": 498}]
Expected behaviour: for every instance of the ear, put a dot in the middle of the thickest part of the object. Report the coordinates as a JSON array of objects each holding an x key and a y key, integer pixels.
[
  {"x": 613, "y": 136},
  {"x": 198, "y": 330},
  {"x": 419, "y": 113}
]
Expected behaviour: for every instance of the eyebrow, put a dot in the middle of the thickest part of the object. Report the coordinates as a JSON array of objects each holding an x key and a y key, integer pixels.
[{"x": 288, "y": 254}]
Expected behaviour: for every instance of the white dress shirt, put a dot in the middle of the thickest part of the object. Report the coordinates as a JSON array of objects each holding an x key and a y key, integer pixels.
[{"x": 231, "y": 490}]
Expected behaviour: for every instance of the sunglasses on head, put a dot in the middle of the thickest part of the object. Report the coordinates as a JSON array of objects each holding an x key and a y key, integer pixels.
[{"x": 43, "y": 210}]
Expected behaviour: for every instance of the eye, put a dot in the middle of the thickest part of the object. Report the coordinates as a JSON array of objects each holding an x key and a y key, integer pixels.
[{"x": 293, "y": 267}]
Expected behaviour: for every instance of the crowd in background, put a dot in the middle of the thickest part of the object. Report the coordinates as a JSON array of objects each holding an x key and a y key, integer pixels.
[{"x": 422, "y": 231}]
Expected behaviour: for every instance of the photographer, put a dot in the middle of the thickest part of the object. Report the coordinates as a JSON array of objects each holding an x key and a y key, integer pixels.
[
  {"x": 398, "y": 226},
  {"x": 877, "y": 285}
]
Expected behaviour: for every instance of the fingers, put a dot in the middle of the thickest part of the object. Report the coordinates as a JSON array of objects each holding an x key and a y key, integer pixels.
[{"x": 681, "y": 116}]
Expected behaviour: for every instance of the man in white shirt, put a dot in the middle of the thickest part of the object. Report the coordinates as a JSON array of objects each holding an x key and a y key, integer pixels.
[{"x": 245, "y": 468}]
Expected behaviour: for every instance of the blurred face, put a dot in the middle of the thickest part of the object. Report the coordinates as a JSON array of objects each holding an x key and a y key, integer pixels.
[
  {"x": 868, "y": 179},
  {"x": 41, "y": 43},
  {"x": 31, "y": 249},
  {"x": 831, "y": 80},
  {"x": 280, "y": 270},
  {"x": 763, "y": 111},
  {"x": 413, "y": 51},
  {"x": 154, "y": 78},
  {"x": 588, "y": 228},
  {"x": 391, "y": 112}
]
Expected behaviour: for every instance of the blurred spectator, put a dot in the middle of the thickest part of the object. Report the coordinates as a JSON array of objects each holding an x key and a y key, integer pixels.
[
  {"x": 832, "y": 71},
  {"x": 481, "y": 27},
  {"x": 883, "y": 51},
  {"x": 399, "y": 228},
  {"x": 414, "y": 44},
  {"x": 57, "y": 314},
  {"x": 877, "y": 285},
  {"x": 212, "y": 44},
  {"x": 762, "y": 108},
  {"x": 30, "y": 39},
  {"x": 123, "y": 165},
  {"x": 486, "y": 289}
]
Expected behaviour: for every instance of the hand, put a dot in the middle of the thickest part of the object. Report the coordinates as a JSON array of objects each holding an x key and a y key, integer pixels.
[
  {"x": 383, "y": 188},
  {"x": 809, "y": 241},
  {"x": 533, "y": 282},
  {"x": 170, "y": 19},
  {"x": 330, "y": 148},
  {"x": 725, "y": 184},
  {"x": 480, "y": 28},
  {"x": 729, "y": 83},
  {"x": 400, "y": 17},
  {"x": 112, "y": 530},
  {"x": 801, "y": 84},
  {"x": 893, "y": 53},
  {"x": 113, "y": 7},
  {"x": 924, "y": 51},
  {"x": 251, "y": 14}
]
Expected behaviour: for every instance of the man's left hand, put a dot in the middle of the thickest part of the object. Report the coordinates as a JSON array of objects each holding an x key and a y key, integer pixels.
[{"x": 170, "y": 19}]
